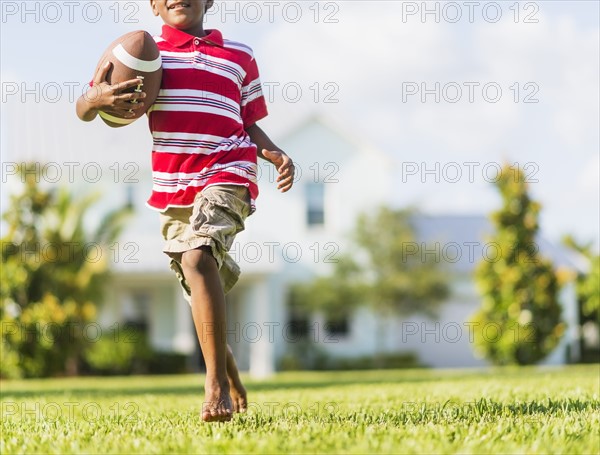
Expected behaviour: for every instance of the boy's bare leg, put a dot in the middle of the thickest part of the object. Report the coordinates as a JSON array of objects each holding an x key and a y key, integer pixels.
[
  {"x": 208, "y": 311},
  {"x": 237, "y": 389}
]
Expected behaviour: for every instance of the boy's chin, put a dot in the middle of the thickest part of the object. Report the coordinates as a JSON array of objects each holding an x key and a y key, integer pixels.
[{"x": 182, "y": 24}]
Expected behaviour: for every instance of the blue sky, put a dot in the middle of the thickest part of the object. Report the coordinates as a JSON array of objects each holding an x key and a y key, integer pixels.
[{"x": 366, "y": 57}]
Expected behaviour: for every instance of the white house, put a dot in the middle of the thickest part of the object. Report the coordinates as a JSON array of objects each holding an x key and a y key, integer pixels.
[{"x": 290, "y": 238}]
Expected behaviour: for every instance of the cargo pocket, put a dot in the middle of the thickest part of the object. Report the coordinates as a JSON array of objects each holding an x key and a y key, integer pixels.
[{"x": 223, "y": 214}]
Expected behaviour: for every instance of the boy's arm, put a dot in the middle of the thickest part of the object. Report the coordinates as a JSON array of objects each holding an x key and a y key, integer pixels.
[
  {"x": 103, "y": 96},
  {"x": 267, "y": 150}
]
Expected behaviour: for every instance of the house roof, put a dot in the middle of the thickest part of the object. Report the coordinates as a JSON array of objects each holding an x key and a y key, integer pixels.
[
  {"x": 462, "y": 241},
  {"x": 351, "y": 134}
]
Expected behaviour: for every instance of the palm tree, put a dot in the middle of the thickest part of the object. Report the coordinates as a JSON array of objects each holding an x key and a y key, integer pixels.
[{"x": 53, "y": 276}]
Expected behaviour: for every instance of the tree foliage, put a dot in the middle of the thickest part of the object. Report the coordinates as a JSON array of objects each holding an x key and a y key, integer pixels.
[
  {"x": 53, "y": 274},
  {"x": 519, "y": 321},
  {"x": 400, "y": 279},
  {"x": 587, "y": 285},
  {"x": 336, "y": 295}
]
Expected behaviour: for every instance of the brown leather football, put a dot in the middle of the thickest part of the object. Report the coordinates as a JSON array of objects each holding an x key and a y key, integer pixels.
[{"x": 133, "y": 55}]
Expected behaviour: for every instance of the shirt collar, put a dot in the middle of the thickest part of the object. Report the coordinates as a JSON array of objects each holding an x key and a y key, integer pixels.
[{"x": 178, "y": 37}]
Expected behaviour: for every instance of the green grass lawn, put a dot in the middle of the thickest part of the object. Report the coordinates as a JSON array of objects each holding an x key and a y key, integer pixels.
[{"x": 514, "y": 411}]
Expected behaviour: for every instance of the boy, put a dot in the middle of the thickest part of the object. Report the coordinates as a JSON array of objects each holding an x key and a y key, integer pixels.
[{"x": 206, "y": 144}]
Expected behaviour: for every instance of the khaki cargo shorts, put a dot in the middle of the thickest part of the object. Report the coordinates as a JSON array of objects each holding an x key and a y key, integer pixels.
[{"x": 217, "y": 215}]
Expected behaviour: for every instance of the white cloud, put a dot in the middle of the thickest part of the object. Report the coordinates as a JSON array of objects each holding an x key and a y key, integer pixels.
[{"x": 561, "y": 59}]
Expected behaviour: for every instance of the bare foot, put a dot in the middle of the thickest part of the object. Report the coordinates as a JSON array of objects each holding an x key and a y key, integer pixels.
[
  {"x": 217, "y": 406},
  {"x": 237, "y": 389}
]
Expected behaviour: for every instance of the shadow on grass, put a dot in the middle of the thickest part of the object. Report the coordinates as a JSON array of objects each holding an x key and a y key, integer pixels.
[
  {"x": 284, "y": 381},
  {"x": 192, "y": 390}
]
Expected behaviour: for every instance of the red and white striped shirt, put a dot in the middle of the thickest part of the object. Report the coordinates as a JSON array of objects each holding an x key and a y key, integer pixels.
[{"x": 210, "y": 93}]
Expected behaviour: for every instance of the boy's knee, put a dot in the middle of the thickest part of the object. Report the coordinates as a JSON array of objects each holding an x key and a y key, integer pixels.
[{"x": 199, "y": 260}]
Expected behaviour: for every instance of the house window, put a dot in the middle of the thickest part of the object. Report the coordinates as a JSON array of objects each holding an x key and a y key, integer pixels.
[
  {"x": 338, "y": 326},
  {"x": 136, "y": 310},
  {"x": 315, "y": 204},
  {"x": 298, "y": 319},
  {"x": 297, "y": 328}
]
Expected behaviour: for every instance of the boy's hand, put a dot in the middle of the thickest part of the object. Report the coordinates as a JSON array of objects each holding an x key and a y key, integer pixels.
[
  {"x": 284, "y": 166},
  {"x": 103, "y": 96}
]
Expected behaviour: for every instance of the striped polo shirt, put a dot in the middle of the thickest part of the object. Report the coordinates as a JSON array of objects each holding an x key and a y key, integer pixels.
[{"x": 210, "y": 93}]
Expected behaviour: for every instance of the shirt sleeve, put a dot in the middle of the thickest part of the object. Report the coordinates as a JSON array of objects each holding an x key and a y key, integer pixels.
[{"x": 254, "y": 105}]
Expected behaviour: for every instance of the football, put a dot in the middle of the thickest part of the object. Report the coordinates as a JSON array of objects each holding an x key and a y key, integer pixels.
[{"x": 133, "y": 55}]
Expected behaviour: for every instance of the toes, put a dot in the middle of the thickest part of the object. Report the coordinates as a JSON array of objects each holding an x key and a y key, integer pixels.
[
  {"x": 226, "y": 415},
  {"x": 209, "y": 413},
  {"x": 207, "y": 416},
  {"x": 219, "y": 412},
  {"x": 239, "y": 403}
]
